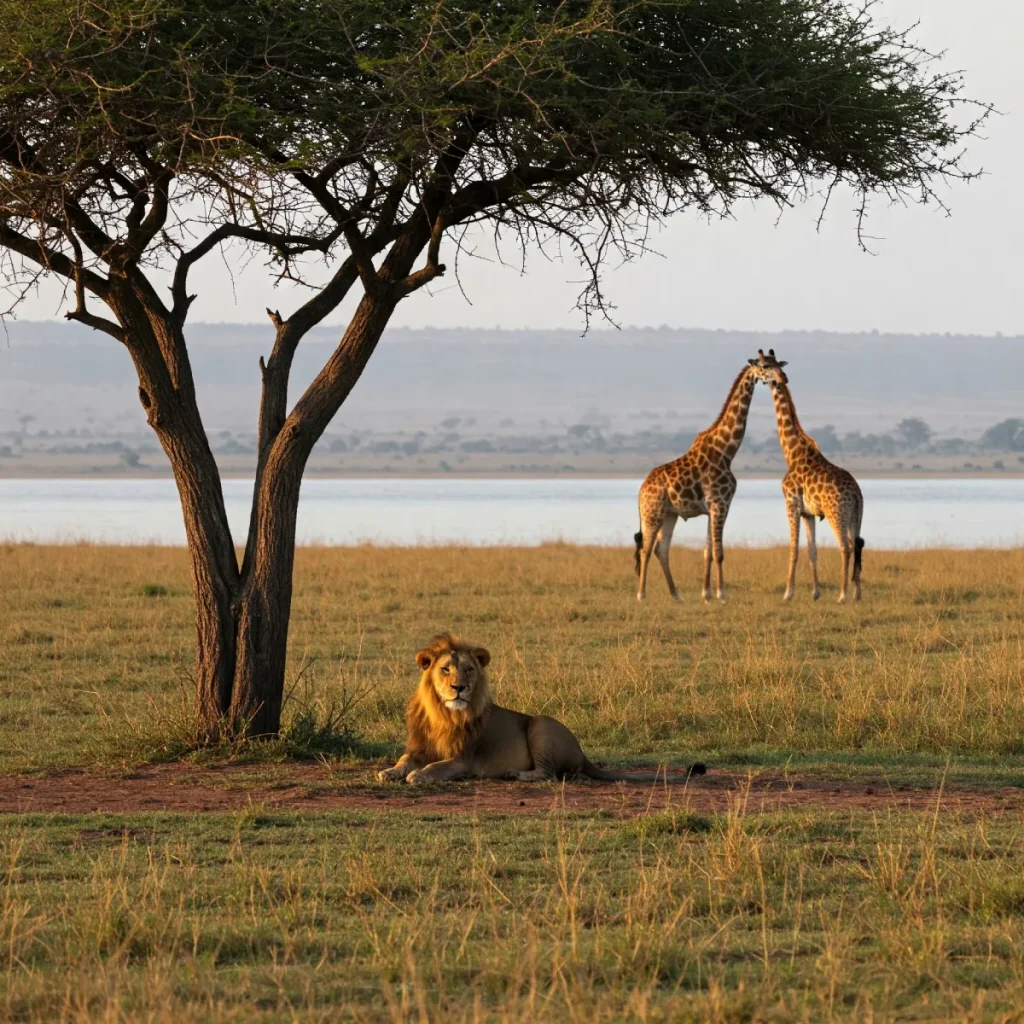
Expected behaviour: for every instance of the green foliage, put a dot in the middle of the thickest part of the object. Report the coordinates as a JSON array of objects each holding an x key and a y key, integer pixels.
[{"x": 653, "y": 104}]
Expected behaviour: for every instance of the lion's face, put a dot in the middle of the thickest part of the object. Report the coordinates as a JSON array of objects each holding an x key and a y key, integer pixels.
[{"x": 455, "y": 674}]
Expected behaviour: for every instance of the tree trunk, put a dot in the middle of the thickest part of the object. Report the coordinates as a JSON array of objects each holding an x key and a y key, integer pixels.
[
  {"x": 215, "y": 578},
  {"x": 242, "y": 617},
  {"x": 264, "y": 605},
  {"x": 167, "y": 394}
]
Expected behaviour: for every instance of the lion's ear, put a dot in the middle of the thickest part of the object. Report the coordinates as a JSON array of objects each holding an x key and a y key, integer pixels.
[
  {"x": 425, "y": 659},
  {"x": 482, "y": 655}
]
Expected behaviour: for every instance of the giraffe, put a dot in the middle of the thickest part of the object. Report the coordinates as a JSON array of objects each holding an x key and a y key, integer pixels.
[
  {"x": 699, "y": 483},
  {"x": 813, "y": 486}
]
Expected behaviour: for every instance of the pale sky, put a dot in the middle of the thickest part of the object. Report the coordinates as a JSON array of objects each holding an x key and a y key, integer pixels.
[{"x": 930, "y": 272}]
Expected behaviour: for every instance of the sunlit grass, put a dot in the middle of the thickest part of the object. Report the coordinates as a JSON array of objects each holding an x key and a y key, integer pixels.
[
  {"x": 97, "y": 649},
  {"x": 805, "y": 915},
  {"x": 264, "y": 916}
]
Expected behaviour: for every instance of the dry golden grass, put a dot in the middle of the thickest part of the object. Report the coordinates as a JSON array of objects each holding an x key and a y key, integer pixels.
[
  {"x": 97, "y": 646},
  {"x": 403, "y": 917},
  {"x": 396, "y": 916}
]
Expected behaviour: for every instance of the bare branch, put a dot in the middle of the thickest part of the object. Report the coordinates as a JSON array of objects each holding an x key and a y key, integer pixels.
[
  {"x": 81, "y": 312},
  {"x": 98, "y": 323},
  {"x": 51, "y": 259},
  {"x": 291, "y": 245},
  {"x": 142, "y": 231},
  {"x": 347, "y": 221},
  {"x": 431, "y": 269}
]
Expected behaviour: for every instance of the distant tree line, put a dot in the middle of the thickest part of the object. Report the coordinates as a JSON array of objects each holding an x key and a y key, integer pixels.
[
  {"x": 911, "y": 435},
  {"x": 915, "y": 435}
]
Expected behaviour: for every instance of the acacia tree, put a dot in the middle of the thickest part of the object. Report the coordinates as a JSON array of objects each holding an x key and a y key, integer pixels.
[{"x": 138, "y": 137}]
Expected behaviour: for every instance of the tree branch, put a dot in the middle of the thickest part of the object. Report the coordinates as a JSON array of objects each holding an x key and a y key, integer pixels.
[
  {"x": 291, "y": 245},
  {"x": 489, "y": 192},
  {"x": 51, "y": 259},
  {"x": 81, "y": 312},
  {"x": 16, "y": 152},
  {"x": 347, "y": 221},
  {"x": 142, "y": 230},
  {"x": 431, "y": 269}
]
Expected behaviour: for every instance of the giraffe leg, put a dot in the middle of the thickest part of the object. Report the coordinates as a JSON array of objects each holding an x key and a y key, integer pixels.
[
  {"x": 812, "y": 553},
  {"x": 717, "y": 512},
  {"x": 664, "y": 542},
  {"x": 858, "y": 547},
  {"x": 793, "y": 509},
  {"x": 846, "y": 574},
  {"x": 650, "y": 532},
  {"x": 843, "y": 538},
  {"x": 706, "y": 593}
]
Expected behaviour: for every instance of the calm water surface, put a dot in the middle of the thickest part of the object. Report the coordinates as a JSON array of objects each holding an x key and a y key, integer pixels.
[{"x": 898, "y": 513}]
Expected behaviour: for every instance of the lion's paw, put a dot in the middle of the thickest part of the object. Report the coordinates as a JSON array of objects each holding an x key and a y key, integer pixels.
[
  {"x": 389, "y": 775},
  {"x": 413, "y": 778},
  {"x": 511, "y": 776}
]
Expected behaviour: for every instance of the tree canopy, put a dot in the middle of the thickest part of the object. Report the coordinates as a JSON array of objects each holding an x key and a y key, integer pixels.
[{"x": 309, "y": 124}]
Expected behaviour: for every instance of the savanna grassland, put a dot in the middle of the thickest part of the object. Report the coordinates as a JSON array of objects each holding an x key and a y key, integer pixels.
[
  {"x": 832, "y": 910},
  {"x": 98, "y": 644}
]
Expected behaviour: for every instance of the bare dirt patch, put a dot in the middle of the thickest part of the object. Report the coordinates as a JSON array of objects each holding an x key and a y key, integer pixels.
[{"x": 315, "y": 787}]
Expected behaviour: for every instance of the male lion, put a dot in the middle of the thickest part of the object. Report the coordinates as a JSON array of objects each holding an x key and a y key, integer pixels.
[{"x": 454, "y": 731}]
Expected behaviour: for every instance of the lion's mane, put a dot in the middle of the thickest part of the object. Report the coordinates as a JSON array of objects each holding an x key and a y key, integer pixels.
[{"x": 435, "y": 732}]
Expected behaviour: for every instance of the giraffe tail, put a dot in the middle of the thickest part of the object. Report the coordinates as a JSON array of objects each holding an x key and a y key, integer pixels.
[
  {"x": 858, "y": 548},
  {"x": 638, "y": 540}
]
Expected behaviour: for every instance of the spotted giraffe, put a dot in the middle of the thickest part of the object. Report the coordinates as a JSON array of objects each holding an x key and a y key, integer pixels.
[
  {"x": 813, "y": 486},
  {"x": 699, "y": 483}
]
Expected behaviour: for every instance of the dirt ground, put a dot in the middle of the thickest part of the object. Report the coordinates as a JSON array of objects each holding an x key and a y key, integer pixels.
[{"x": 316, "y": 787}]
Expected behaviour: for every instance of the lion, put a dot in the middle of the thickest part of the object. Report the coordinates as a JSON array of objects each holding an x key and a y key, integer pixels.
[{"x": 455, "y": 731}]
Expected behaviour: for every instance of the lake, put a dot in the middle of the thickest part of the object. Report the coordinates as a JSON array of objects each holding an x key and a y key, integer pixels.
[{"x": 898, "y": 513}]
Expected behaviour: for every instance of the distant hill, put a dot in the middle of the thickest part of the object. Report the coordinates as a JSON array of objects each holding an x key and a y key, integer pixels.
[{"x": 64, "y": 375}]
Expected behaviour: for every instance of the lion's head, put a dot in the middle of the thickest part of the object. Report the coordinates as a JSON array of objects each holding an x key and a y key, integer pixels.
[{"x": 451, "y": 702}]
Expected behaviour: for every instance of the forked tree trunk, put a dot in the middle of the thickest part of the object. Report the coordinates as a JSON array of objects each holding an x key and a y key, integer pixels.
[
  {"x": 264, "y": 609},
  {"x": 242, "y": 615},
  {"x": 264, "y": 603}
]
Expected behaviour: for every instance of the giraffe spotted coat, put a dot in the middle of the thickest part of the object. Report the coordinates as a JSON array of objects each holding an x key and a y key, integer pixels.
[
  {"x": 813, "y": 488},
  {"x": 699, "y": 483}
]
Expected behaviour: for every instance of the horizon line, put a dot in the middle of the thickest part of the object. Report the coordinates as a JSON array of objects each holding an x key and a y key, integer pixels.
[{"x": 6, "y": 322}]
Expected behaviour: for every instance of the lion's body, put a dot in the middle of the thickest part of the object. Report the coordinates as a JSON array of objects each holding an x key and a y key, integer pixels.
[{"x": 455, "y": 731}]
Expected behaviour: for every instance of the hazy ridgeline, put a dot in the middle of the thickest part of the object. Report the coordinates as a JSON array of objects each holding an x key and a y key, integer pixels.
[{"x": 68, "y": 377}]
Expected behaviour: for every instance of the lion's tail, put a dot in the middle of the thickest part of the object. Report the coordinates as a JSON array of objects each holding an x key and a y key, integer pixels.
[
  {"x": 593, "y": 772},
  {"x": 638, "y": 540}
]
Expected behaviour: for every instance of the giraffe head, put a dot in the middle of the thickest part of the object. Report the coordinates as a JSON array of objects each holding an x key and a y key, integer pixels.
[{"x": 768, "y": 369}]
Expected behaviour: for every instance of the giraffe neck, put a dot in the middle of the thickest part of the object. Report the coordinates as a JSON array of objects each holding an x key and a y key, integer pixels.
[
  {"x": 726, "y": 433},
  {"x": 791, "y": 435}
]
